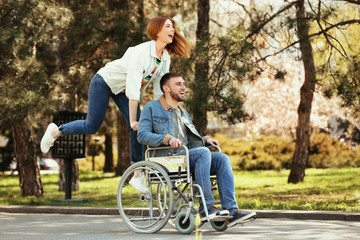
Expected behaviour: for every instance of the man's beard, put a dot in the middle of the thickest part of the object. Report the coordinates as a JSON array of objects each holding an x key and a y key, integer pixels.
[{"x": 176, "y": 97}]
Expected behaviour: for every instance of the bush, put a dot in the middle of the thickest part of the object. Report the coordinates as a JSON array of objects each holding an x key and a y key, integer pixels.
[
  {"x": 276, "y": 152},
  {"x": 330, "y": 153}
]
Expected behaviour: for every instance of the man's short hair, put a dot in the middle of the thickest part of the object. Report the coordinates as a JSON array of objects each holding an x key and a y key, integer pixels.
[{"x": 166, "y": 77}]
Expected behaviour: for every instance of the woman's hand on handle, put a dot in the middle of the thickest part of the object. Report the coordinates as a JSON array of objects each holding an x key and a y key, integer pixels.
[{"x": 134, "y": 125}]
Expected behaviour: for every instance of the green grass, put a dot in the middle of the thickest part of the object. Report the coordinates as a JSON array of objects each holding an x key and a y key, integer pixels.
[
  {"x": 323, "y": 189},
  {"x": 97, "y": 187}
]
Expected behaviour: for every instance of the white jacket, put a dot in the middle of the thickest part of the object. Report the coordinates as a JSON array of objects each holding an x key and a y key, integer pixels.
[{"x": 129, "y": 71}]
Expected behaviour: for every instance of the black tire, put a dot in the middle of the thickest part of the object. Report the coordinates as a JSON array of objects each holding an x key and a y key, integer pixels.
[
  {"x": 187, "y": 227},
  {"x": 219, "y": 225}
]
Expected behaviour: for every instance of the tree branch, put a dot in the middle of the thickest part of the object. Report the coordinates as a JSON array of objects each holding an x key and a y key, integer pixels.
[
  {"x": 350, "y": 1},
  {"x": 262, "y": 25},
  {"x": 354, "y": 21},
  {"x": 325, "y": 33}
]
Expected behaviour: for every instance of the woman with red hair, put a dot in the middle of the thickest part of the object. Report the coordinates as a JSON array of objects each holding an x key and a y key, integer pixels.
[{"x": 125, "y": 81}]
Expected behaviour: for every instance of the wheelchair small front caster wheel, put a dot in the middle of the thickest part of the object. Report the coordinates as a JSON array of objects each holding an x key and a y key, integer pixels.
[
  {"x": 187, "y": 227},
  {"x": 219, "y": 225}
]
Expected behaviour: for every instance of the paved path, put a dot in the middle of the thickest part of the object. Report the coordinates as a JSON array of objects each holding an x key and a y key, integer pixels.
[
  {"x": 294, "y": 214},
  {"x": 75, "y": 226}
]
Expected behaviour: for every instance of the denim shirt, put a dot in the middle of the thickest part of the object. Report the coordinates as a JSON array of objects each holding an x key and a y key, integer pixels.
[{"x": 156, "y": 127}]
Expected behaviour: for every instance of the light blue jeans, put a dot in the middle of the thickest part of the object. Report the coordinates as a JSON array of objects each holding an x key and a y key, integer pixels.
[
  {"x": 99, "y": 95},
  {"x": 204, "y": 163}
]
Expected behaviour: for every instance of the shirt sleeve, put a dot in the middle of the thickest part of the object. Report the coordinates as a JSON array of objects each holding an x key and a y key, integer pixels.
[
  {"x": 136, "y": 60},
  {"x": 145, "y": 133},
  {"x": 156, "y": 84},
  {"x": 156, "y": 87}
]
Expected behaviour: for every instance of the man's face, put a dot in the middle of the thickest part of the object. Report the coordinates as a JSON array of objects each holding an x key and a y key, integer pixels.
[{"x": 177, "y": 88}]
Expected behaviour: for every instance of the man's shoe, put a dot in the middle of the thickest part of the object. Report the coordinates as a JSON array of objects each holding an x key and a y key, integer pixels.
[
  {"x": 215, "y": 214},
  {"x": 47, "y": 140},
  {"x": 139, "y": 184},
  {"x": 239, "y": 216}
]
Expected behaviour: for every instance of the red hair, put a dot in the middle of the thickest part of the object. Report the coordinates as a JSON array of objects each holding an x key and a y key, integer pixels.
[{"x": 179, "y": 46}]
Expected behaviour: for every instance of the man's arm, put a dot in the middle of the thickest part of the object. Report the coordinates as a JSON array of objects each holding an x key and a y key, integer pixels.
[{"x": 146, "y": 134}]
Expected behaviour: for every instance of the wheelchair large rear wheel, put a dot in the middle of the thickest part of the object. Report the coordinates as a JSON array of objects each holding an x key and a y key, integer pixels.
[
  {"x": 145, "y": 212},
  {"x": 164, "y": 207}
]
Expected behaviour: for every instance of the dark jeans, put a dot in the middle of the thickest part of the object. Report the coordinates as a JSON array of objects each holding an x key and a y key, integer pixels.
[{"x": 99, "y": 94}]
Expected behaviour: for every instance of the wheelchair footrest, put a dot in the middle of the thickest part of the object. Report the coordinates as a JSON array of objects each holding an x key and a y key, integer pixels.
[{"x": 216, "y": 218}]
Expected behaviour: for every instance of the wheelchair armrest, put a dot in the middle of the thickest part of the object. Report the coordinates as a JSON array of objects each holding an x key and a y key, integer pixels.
[
  {"x": 150, "y": 149},
  {"x": 162, "y": 147},
  {"x": 184, "y": 147}
]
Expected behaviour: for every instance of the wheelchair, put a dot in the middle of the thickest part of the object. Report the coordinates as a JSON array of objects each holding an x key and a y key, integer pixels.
[{"x": 170, "y": 198}]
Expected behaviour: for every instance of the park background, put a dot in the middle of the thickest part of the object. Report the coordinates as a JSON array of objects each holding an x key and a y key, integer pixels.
[{"x": 277, "y": 82}]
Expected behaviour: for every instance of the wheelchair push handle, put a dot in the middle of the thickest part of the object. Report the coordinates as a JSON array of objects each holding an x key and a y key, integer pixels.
[{"x": 216, "y": 146}]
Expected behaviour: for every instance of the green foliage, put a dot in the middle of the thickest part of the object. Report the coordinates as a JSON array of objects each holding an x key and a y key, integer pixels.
[
  {"x": 230, "y": 65},
  {"x": 276, "y": 152},
  {"x": 336, "y": 52},
  {"x": 330, "y": 153},
  {"x": 345, "y": 83},
  {"x": 50, "y": 50},
  {"x": 28, "y": 26}
]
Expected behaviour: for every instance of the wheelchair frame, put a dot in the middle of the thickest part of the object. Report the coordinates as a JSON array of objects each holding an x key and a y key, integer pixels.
[{"x": 150, "y": 211}]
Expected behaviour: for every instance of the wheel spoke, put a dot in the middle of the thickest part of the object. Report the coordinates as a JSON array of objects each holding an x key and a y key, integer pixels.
[{"x": 145, "y": 212}]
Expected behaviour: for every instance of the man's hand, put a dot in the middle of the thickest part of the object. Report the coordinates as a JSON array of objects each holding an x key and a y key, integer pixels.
[
  {"x": 134, "y": 125},
  {"x": 212, "y": 142},
  {"x": 175, "y": 143}
]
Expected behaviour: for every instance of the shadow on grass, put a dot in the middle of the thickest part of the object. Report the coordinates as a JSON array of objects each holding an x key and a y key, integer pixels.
[{"x": 95, "y": 178}]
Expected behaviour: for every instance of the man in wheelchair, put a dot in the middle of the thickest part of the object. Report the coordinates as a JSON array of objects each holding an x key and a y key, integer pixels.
[{"x": 164, "y": 122}]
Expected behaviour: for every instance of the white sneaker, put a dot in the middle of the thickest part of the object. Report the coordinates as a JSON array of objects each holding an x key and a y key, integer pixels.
[
  {"x": 47, "y": 140},
  {"x": 139, "y": 184}
]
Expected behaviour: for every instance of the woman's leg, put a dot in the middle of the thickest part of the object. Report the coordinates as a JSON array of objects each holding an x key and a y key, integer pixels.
[
  {"x": 136, "y": 149},
  {"x": 99, "y": 94}
]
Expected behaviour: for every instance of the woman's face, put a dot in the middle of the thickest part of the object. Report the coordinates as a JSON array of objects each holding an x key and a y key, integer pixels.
[{"x": 166, "y": 34}]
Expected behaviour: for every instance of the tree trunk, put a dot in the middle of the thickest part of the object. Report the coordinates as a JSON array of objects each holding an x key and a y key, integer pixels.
[
  {"x": 123, "y": 145},
  {"x": 199, "y": 106},
  {"x": 29, "y": 173},
  {"x": 301, "y": 153},
  {"x": 109, "y": 161}
]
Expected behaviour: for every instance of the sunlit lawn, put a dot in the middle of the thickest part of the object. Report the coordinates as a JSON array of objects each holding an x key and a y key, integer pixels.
[
  {"x": 323, "y": 189},
  {"x": 98, "y": 188}
]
